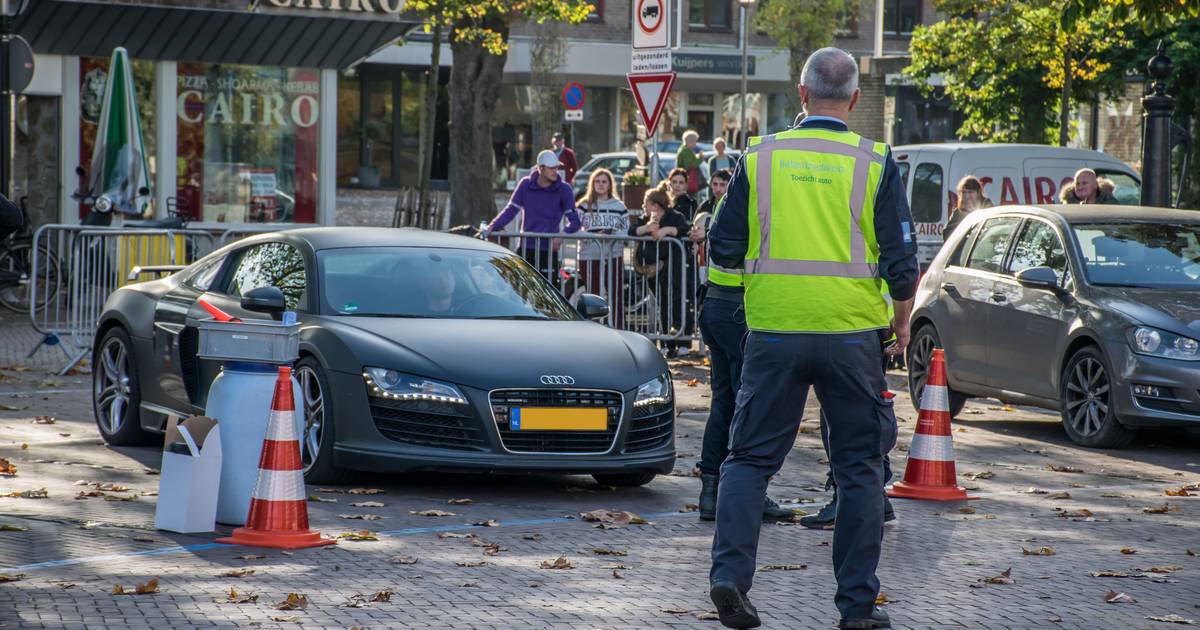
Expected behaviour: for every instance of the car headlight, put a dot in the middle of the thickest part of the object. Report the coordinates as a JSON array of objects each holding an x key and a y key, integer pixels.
[
  {"x": 386, "y": 383},
  {"x": 654, "y": 392},
  {"x": 1160, "y": 343}
]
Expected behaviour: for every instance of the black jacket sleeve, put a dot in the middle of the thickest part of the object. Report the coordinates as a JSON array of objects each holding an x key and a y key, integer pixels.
[
  {"x": 895, "y": 234},
  {"x": 728, "y": 235}
]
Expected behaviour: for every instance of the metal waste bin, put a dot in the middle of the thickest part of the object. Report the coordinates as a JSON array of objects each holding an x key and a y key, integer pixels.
[{"x": 240, "y": 398}]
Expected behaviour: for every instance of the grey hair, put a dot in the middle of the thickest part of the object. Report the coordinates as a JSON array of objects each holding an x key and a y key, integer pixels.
[
  {"x": 830, "y": 74},
  {"x": 690, "y": 133}
]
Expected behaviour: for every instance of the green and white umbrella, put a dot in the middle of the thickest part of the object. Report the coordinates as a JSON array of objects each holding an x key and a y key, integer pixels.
[{"x": 119, "y": 172}]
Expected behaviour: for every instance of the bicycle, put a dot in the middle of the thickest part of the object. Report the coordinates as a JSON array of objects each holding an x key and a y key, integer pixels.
[{"x": 16, "y": 269}]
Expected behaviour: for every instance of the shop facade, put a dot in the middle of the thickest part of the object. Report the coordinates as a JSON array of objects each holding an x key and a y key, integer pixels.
[{"x": 239, "y": 107}]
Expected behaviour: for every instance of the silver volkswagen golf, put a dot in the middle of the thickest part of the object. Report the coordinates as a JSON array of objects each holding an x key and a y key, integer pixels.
[{"x": 1090, "y": 310}]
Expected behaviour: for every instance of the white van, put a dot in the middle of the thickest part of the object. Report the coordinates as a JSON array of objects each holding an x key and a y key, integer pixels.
[{"x": 1010, "y": 173}]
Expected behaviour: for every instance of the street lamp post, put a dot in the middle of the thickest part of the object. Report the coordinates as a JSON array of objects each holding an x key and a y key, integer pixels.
[
  {"x": 1156, "y": 143},
  {"x": 744, "y": 7},
  {"x": 8, "y": 9}
]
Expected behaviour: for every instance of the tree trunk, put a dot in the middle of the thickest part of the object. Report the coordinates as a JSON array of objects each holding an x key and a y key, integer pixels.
[
  {"x": 428, "y": 120},
  {"x": 474, "y": 90},
  {"x": 1064, "y": 111}
]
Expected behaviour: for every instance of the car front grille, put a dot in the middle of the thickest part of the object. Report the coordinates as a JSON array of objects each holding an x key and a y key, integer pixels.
[
  {"x": 565, "y": 442},
  {"x": 653, "y": 427},
  {"x": 440, "y": 425}
]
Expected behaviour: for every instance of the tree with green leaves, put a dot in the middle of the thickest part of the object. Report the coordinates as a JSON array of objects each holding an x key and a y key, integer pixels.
[
  {"x": 478, "y": 31},
  {"x": 1014, "y": 67},
  {"x": 1153, "y": 15},
  {"x": 800, "y": 27}
]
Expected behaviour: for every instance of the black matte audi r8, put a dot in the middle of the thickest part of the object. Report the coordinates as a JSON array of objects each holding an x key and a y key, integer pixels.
[{"x": 419, "y": 351}]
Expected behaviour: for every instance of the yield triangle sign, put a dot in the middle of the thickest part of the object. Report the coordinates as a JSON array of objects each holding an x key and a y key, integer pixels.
[{"x": 650, "y": 91}]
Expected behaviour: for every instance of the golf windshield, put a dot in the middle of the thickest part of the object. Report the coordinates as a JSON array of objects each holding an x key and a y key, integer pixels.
[
  {"x": 436, "y": 283},
  {"x": 1148, "y": 255}
]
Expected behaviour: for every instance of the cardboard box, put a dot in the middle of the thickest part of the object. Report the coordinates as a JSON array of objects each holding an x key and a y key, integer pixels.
[{"x": 190, "y": 476}]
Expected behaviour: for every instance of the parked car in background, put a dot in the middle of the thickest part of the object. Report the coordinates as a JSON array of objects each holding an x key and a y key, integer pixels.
[
  {"x": 621, "y": 162},
  {"x": 1091, "y": 310},
  {"x": 1010, "y": 173}
]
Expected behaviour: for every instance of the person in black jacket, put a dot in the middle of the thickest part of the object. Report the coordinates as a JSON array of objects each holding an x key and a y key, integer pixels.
[{"x": 667, "y": 227}]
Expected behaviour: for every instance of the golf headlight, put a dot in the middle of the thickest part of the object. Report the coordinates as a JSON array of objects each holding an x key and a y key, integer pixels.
[
  {"x": 1160, "y": 343},
  {"x": 103, "y": 204},
  {"x": 655, "y": 392},
  {"x": 386, "y": 383}
]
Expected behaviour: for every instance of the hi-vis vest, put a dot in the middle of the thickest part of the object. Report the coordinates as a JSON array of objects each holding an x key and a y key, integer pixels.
[
  {"x": 718, "y": 275},
  {"x": 812, "y": 259}
]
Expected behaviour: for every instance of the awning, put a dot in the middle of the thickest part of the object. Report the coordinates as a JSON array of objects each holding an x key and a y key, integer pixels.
[{"x": 88, "y": 29}]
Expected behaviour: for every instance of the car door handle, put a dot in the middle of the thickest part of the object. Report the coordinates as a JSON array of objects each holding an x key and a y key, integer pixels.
[
  {"x": 949, "y": 287},
  {"x": 999, "y": 297}
]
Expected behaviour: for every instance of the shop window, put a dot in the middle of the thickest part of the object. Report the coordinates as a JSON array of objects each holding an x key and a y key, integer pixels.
[
  {"x": 716, "y": 15},
  {"x": 901, "y": 16},
  {"x": 597, "y": 14},
  {"x": 93, "y": 76},
  {"x": 247, "y": 143},
  {"x": 847, "y": 20}
]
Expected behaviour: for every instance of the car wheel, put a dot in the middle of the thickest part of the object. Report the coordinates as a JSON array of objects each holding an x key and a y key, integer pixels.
[
  {"x": 625, "y": 480},
  {"x": 316, "y": 441},
  {"x": 1086, "y": 402},
  {"x": 116, "y": 396},
  {"x": 920, "y": 356}
]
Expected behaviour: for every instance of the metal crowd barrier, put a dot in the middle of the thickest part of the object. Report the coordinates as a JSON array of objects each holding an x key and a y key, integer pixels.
[
  {"x": 75, "y": 268},
  {"x": 652, "y": 296}
]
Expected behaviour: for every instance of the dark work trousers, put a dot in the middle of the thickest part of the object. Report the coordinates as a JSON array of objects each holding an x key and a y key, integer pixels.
[
  {"x": 723, "y": 327},
  {"x": 887, "y": 461},
  {"x": 778, "y": 370}
]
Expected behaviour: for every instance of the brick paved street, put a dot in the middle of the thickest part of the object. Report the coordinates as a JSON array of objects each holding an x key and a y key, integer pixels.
[{"x": 75, "y": 551}]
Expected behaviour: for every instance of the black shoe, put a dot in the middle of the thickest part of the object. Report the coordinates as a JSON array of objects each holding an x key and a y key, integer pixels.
[
  {"x": 772, "y": 511},
  {"x": 878, "y": 619},
  {"x": 824, "y": 518},
  {"x": 889, "y": 513},
  {"x": 733, "y": 606},
  {"x": 708, "y": 497}
]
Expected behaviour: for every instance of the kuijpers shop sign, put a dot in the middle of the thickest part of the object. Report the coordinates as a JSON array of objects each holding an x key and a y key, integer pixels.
[
  {"x": 688, "y": 63},
  {"x": 361, "y": 6}
]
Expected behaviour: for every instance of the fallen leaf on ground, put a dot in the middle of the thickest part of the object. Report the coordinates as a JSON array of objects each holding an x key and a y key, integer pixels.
[
  {"x": 357, "y": 600},
  {"x": 692, "y": 382},
  {"x": 1116, "y": 495},
  {"x": 251, "y": 556},
  {"x": 560, "y": 562},
  {"x": 1033, "y": 490},
  {"x": 5, "y": 527},
  {"x": 694, "y": 472},
  {"x": 431, "y": 513},
  {"x": 784, "y": 567},
  {"x": 364, "y": 491},
  {"x": 606, "y": 517},
  {"x": 1170, "y": 568},
  {"x": 676, "y": 611},
  {"x": 237, "y": 573},
  {"x": 533, "y": 536},
  {"x": 1060, "y": 496},
  {"x": 294, "y": 601},
  {"x": 1041, "y": 551},
  {"x": 24, "y": 446},
  {"x": 882, "y": 599},
  {"x": 45, "y": 420},
  {"x": 1055, "y": 619},
  {"x": 1129, "y": 551},
  {"x": 966, "y": 510},
  {"x": 114, "y": 497},
  {"x": 7, "y": 469},
  {"x": 1004, "y": 578},
  {"x": 1114, "y": 574},
  {"x": 361, "y": 535},
  {"x": 459, "y": 502},
  {"x": 117, "y": 589},
  {"x": 237, "y": 598},
  {"x": 367, "y": 504},
  {"x": 610, "y": 552},
  {"x": 1063, "y": 469},
  {"x": 11, "y": 577},
  {"x": 151, "y": 471},
  {"x": 27, "y": 494},
  {"x": 286, "y": 618},
  {"x": 1161, "y": 509},
  {"x": 471, "y": 563},
  {"x": 985, "y": 474},
  {"x": 1173, "y": 619},
  {"x": 1080, "y": 513},
  {"x": 361, "y": 517},
  {"x": 469, "y": 584},
  {"x": 142, "y": 539},
  {"x": 617, "y": 575},
  {"x": 1114, "y": 597},
  {"x": 382, "y": 596},
  {"x": 403, "y": 560},
  {"x": 321, "y": 499},
  {"x": 1182, "y": 492},
  {"x": 1190, "y": 552},
  {"x": 708, "y": 616},
  {"x": 491, "y": 522},
  {"x": 691, "y": 507}
]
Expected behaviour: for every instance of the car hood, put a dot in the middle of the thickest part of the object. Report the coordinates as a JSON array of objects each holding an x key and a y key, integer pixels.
[
  {"x": 1172, "y": 310},
  {"x": 489, "y": 354}
]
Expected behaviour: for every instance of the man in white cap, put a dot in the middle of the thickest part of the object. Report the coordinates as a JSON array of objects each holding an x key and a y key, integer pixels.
[{"x": 544, "y": 199}]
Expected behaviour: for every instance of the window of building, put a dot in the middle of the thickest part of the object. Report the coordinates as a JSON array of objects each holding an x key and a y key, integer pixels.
[
  {"x": 597, "y": 14},
  {"x": 270, "y": 265},
  {"x": 900, "y": 17},
  {"x": 927, "y": 193},
  {"x": 714, "y": 15},
  {"x": 848, "y": 20},
  {"x": 247, "y": 142}
]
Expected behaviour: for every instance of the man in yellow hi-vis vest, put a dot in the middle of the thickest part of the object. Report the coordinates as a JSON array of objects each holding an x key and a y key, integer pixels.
[{"x": 818, "y": 218}]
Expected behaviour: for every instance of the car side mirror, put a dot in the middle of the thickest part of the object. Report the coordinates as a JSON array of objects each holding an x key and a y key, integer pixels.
[
  {"x": 1039, "y": 278},
  {"x": 265, "y": 300},
  {"x": 592, "y": 307}
]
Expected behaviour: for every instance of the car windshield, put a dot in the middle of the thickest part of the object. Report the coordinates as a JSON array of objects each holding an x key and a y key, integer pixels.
[
  {"x": 435, "y": 283},
  {"x": 1150, "y": 255}
]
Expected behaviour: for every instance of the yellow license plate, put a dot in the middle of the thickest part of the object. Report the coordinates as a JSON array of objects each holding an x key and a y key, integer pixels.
[{"x": 557, "y": 419}]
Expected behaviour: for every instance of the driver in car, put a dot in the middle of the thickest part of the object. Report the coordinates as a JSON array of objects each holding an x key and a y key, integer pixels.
[{"x": 439, "y": 291}]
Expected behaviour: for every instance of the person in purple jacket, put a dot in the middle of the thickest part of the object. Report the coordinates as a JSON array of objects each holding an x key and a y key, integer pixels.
[{"x": 544, "y": 198}]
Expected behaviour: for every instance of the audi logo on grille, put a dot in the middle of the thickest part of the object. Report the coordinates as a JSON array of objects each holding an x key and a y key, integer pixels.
[{"x": 557, "y": 379}]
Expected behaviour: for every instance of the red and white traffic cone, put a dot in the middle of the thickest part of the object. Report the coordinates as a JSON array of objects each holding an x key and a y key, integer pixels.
[
  {"x": 930, "y": 472},
  {"x": 279, "y": 509}
]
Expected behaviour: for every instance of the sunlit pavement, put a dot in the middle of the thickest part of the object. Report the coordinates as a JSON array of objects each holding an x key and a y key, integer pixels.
[{"x": 70, "y": 553}]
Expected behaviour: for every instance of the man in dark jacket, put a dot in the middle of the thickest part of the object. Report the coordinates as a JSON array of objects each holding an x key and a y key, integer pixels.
[{"x": 544, "y": 199}]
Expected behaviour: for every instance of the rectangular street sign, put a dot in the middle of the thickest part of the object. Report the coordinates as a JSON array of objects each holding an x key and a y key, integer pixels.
[
  {"x": 573, "y": 115},
  {"x": 651, "y": 61},
  {"x": 650, "y": 23}
]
